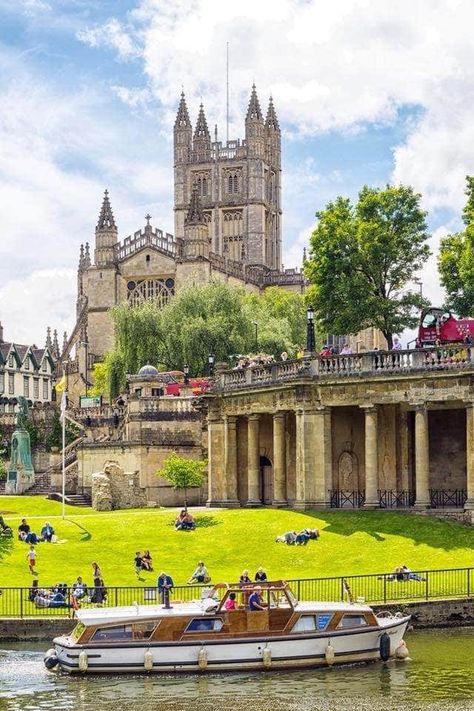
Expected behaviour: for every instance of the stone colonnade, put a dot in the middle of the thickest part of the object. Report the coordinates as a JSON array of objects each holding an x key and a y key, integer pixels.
[{"x": 305, "y": 456}]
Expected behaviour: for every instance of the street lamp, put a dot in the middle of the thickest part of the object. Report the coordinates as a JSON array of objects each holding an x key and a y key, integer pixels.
[
  {"x": 85, "y": 343},
  {"x": 310, "y": 340},
  {"x": 256, "y": 336},
  {"x": 210, "y": 364},
  {"x": 420, "y": 284},
  {"x": 186, "y": 373}
]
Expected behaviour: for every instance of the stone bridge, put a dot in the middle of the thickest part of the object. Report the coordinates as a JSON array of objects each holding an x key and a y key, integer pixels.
[{"x": 381, "y": 429}]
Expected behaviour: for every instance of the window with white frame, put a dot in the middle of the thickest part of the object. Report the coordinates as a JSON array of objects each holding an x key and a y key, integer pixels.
[
  {"x": 36, "y": 388},
  {"x": 45, "y": 389},
  {"x": 26, "y": 386},
  {"x": 11, "y": 383},
  {"x": 2, "y": 382}
]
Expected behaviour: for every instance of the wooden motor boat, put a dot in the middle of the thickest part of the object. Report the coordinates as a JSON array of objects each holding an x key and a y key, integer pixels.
[{"x": 204, "y": 636}]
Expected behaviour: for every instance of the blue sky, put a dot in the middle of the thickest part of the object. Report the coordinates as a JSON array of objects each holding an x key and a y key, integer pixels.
[{"x": 365, "y": 93}]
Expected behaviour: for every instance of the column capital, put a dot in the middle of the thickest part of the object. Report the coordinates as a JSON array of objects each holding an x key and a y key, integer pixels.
[
  {"x": 468, "y": 404},
  {"x": 370, "y": 408},
  {"x": 419, "y": 406},
  {"x": 253, "y": 417},
  {"x": 280, "y": 414},
  {"x": 231, "y": 420}
]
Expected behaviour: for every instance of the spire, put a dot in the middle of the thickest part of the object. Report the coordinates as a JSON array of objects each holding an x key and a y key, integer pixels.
[
  {"x": 87, "y": 256},
  {"x": 271, "y": 121},
  {"x": 55, "y": 345},
  {"x": 182, "y": 117},
  {"x": 201, "y": 130},
  {"x": 81, "y": 257},
  {"x": 48, "y": 343},
  {"x": 195, "y": 215},
  {"x": 64, "y": 342},
  {"x": 254, "y": 112},
  {"x": 106, "y": 217}
]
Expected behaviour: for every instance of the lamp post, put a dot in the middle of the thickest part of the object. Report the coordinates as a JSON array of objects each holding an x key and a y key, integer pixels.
[
  {"x": 63, "y": 423},
  {"x": 186, "y": 373},
  {"x": 420, "y": 285},
  {"x": 210, "y": 364},
  {"x": 85, "y": 343},
  {"x": 256, "y": 336},
  {"x": 310, "y": 340}
]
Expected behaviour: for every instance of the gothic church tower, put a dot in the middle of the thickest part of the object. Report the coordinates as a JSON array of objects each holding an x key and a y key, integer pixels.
[{"x": 238, "y": 183}]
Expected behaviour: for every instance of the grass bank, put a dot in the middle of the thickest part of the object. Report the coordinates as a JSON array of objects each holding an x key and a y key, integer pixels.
[{"x": 228, "y": 541}]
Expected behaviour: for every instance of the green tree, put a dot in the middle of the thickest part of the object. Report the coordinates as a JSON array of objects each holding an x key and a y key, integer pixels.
[
  {"x": 363, "y": 257},
  {"x": 280, "y": 316},
  {"x": 456, "y": 260},
  {"x": 183, "y": 473}
]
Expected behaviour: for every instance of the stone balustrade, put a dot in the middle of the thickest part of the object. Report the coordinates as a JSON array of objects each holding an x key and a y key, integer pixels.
[
  {"x": 176, "y": 405},
  {"x": 375, "y": 363}
]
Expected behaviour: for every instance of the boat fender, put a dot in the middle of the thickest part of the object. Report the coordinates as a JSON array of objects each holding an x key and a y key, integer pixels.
[
  {"x": 401, "y": 651},
  {"x": 330, "y": 654},
  {"x": 83, "y": 661},
  {"x": 385, "y": 647},
  {"x": 267, "y": 657},
  {"x": 50, "y": 659},
  {"x": 148, "y": 660},
  {"x": 202, "y": 659}
]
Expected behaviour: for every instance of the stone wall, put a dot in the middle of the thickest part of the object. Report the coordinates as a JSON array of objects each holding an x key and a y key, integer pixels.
[
  {"x": 439, "y": 613},
  {"x": 115, "y": 488}
]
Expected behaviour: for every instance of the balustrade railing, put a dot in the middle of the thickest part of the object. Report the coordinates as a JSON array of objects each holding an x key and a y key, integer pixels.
[
  {"x": 447, "y": 498},
  {"x": 346, "y": 499},
  {"x": 381, "y": 588},
  {"x": 392, "y": 499}
]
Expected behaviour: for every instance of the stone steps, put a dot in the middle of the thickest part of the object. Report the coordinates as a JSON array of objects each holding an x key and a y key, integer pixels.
[{"x": 72, "y": 499}]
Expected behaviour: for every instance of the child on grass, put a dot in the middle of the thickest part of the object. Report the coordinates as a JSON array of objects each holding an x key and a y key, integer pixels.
[{"x": 31, "y": 558}]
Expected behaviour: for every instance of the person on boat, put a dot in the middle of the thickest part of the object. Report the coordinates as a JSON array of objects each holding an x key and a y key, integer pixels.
[
  {"x": 23, "y": 530},
  {"x": 79, "y": 588},
  {"x": 255, "y": 599},
  {"x": 200, "y": 575},
  {"x": 230, "y": 603},
  {"x": 147, "y": 561},
  {"x": 138, "y": 563},
  {"x": 165, "y": 585},
  {"x": 47, "y": 532},
  {"x": 261, "y": 576}
]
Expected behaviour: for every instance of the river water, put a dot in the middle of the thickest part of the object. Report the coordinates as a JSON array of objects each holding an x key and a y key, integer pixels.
[{"x": 440, "y": 675}]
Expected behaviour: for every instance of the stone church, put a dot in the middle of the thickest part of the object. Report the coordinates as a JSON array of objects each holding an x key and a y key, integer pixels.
[{"x": 227, "y": 207}]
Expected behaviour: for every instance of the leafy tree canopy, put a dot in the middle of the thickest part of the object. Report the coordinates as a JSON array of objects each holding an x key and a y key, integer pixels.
[
  {"x": 456, "y": 260},
  {"x": 214, "y": 318},
  {"x": 183, "y": 473},
  {"x": 363, "y": 256}
]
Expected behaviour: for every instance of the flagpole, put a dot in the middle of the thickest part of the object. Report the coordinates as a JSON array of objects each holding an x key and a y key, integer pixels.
[{"x": 63, "y": 421}]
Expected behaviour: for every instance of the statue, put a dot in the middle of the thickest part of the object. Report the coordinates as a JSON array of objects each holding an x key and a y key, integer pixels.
[{"x": 20, "y": 475}]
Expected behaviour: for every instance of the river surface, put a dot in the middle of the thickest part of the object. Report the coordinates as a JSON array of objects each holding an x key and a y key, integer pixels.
[{"x": 440, "y": 675}]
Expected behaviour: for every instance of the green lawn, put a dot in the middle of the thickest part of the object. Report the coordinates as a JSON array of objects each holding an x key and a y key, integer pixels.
[{"x": 351, "y": 542}]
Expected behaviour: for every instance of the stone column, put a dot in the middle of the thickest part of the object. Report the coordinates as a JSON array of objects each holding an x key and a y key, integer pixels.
[
  {"x": 253, "y": 461},
  {"x": 323, "y": 456},
  {"x": 422, "y": 458},
  {"x": 216, "y": 465},
  {"x": 231, "y": 472},
  {"x": 313, "y": 458},
  {"x": 279, "y": 460},
  {"x": 371, "y": 458},
  {"x": 470, "y": 456},
  {"x": 403, "y": 482}
]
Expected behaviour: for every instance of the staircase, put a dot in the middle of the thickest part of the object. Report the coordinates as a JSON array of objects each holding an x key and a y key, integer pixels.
[
  {"x": 41, "y": 487},
  {"x": 72, "y": 499}
]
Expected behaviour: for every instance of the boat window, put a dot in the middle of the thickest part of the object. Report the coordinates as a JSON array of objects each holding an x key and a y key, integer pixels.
[
  {"x": 77, "y": 631},
  {"x": 204, "y": 624},
  {"x": 308, "y": 623},
  {"x": 352, "y": 621},
  {"x": 113, "y": 634},
  {"x": 144, "y": 630}
]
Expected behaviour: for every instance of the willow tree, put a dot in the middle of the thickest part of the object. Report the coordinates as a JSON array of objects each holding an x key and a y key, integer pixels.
[{"x": 363, "y": 258}]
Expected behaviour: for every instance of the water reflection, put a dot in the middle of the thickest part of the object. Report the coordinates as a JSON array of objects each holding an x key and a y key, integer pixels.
[{"x": 439, "y": 676}]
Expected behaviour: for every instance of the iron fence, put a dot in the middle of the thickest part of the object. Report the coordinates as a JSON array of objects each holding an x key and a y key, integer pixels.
[
  {"x": 393, "y": 499},
  {"x": 447, "y": 498},
  {"x": 15, "y": 602},
  {"x": 345, "y": 499}
]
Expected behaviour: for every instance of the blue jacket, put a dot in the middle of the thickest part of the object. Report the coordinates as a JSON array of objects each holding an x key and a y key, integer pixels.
[{"x": 161, "y": 582}]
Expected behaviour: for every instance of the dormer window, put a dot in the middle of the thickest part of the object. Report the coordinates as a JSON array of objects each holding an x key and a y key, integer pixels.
[
  {"x": 10, "y": 360},
  {"x": 44, "y": 366},
  {"x": 27, "y": 364}
]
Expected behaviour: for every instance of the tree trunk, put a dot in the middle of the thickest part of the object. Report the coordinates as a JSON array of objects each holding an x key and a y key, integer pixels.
[
  {"x": 389, "y": 339},
  {"x": 185, "y": 499}
]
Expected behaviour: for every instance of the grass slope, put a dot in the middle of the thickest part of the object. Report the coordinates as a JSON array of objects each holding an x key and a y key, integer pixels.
[{"x": 228, "y": 541}]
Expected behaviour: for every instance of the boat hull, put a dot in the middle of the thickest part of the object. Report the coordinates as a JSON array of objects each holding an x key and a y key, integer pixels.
[{"x": 237, "y": 654}]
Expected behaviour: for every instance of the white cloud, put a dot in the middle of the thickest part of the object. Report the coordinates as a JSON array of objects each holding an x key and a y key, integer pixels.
[{"x": 112, "y": 35}]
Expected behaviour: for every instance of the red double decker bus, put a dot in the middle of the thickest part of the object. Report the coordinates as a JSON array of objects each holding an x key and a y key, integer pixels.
[{"x": 440, "y": 326}]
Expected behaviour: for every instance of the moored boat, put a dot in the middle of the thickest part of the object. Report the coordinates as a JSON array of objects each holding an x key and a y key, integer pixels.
[{"x": 204, "y": 635}]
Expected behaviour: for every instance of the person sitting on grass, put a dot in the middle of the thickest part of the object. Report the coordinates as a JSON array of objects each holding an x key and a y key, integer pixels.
[
  {"x": 200, "y": 575},
  {"x": 178, "y": 524},
  {"x": 147, "y": 562},
  {"x": 23, "y": 530},
  {"x": 79, "y": 588},
  {"x": 261, "y": 576},
  {"x": 47, "y": 532},
  {"x": 188, "y": 522},
  {"x": 5, "y": 530}
]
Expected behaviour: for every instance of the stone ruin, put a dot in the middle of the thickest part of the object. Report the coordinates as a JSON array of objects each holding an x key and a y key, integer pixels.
[{"x": 114, "y": 488}]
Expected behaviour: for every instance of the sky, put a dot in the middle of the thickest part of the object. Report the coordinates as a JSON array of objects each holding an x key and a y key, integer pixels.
[{"x": 365, "y": 92}]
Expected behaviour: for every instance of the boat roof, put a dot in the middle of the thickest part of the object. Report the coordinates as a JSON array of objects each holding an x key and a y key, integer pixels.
[{"x": 198, "y": 608}]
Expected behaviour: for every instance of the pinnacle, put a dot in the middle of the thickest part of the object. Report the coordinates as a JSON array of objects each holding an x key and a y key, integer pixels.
[
  {"x": 271, "y": 120},
  {"x": 49, "y": 342},
  {"x": 182, "y": 117},
  {"x": 254, "y": 112},
  {"x": 201, "y": 130},
  {"x": 106, "y": 217},
  {"x": 195, "y": 214}
]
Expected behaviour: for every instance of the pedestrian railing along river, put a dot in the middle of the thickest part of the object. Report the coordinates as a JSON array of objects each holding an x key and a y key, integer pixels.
[{"x": 372, "y": 589}]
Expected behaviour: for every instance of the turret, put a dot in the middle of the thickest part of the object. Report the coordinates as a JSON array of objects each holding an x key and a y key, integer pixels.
[
  {"x": 202, "y": 138},
  {"x": 273, "y": 136},
  {"x": 196, "y": 234},
  {"x": 48, "y": 344},
  {"x": 255, "y": 127},
  {"x": 105, "y": 235},
  {"x": 55, "y": 348},
  {"x": 182, "y": 134}
]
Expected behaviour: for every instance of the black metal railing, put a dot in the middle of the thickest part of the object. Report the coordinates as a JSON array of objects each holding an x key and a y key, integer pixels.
[
  {"x": 392, "y": 499},
  {"x": 397, "y": 587},
  {"x": 346, "y": 499},
  {"x": 447, "y": 498}
]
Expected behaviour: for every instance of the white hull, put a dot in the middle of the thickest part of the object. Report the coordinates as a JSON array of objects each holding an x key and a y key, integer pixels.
[{"x": 286, "y": 652}]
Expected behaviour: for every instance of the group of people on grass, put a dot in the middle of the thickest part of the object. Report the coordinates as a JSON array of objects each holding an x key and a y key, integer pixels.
[
  {"x": 143, "y": 561},
  {"x": 63, "y": 595},
  {"x": 184, "y": 521},
  {"x": 292, "y": 538},
  {"x": 26, "y": 535}
]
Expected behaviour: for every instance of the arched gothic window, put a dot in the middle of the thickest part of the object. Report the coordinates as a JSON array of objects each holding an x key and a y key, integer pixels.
[
  {"x": 158, "y": 290},
  {"x": 233, "y": 183}
]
